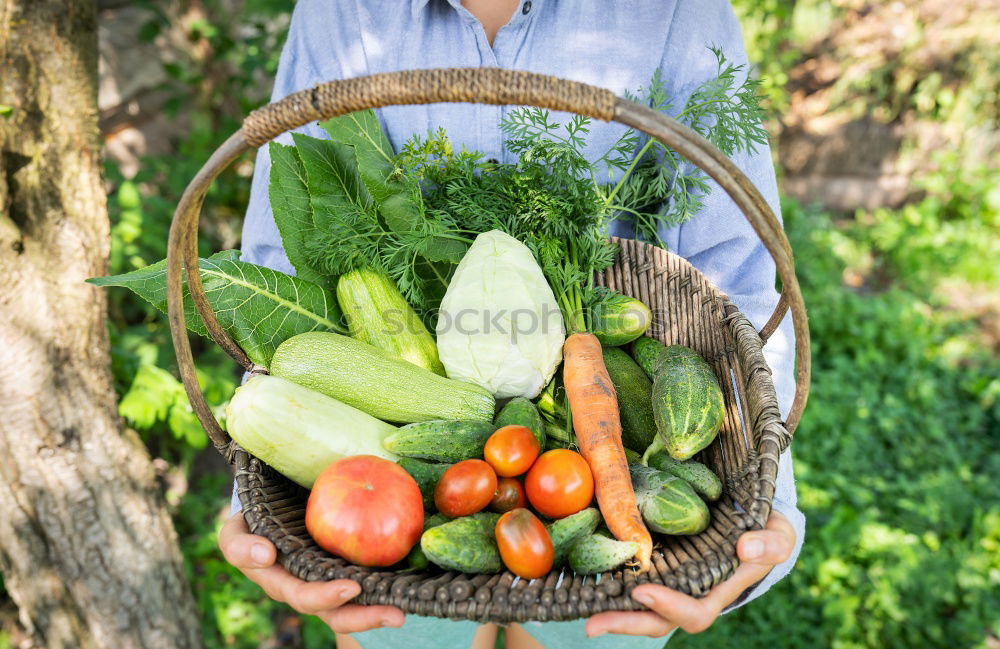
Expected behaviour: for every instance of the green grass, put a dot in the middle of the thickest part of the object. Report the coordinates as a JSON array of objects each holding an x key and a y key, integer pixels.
[{"x": 896, "y": 465}]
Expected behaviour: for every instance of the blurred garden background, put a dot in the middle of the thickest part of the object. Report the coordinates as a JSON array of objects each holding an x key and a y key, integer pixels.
[{"x": 884, "y": 122}]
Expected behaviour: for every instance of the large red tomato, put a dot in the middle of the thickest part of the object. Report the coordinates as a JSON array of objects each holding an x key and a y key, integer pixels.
[
  {"x": 365, "y": 509},
  {"x": 559, "y": 483},
  {"x": 524, "y": 543}
]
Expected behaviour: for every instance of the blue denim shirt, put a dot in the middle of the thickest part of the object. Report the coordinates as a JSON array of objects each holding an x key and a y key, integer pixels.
[{"x": 616, "y": 45}]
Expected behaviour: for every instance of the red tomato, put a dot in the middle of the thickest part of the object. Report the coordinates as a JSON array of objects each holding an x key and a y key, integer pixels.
[
  {"x": 365, "y": 509},
  {"x": 511, "y": 450},
  {"x": 465, "y": 488},
  {"x": 509, "y": 495},
  {"x": 524, "y": 543},
  {"x": 559, "y": 483}
]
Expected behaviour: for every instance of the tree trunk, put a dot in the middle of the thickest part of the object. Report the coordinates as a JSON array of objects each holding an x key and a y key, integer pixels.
[{"x": 87, "y": 549}]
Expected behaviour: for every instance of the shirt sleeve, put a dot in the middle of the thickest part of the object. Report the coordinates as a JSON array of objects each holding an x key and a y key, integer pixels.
[
  {"x": 298, "y": 68},
  {"x": 720, "y": 241}
]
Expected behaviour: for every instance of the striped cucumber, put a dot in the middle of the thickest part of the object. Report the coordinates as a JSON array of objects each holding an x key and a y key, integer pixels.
[
  {"x": 688, "y": 405},
  {"x": 668, "y": 504},
  {"x": 620, "y": 321},
  {"x": 705, "y": 482}
]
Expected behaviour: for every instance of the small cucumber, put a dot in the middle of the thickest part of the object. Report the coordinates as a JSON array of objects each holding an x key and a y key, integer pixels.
[
  {"x": 705, "y": 482},
  {"x": 565, "y": 532},
  {"x": 598, "y": 553},
  {"x": 645, "y": 351},
  {"x": 465, "y": 544},
  {"x": 519, "y": 411},
  {"x": 631, "y": 456},
  {"x": 440, "y": 441},
  {"x": 416, "y": 559},
  {"x": 427, "y": 475},
  {"x": 620, "y": 321},
  {"x": 635, "y": 399},
  {"x": 668, "y": 504}
]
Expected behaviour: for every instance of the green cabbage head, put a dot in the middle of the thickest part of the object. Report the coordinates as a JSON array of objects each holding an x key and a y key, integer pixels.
[{"x": 499, "y": 325}]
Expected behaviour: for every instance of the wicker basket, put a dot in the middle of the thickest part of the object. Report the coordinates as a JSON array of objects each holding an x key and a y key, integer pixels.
[{"x": 688, "y": 310}]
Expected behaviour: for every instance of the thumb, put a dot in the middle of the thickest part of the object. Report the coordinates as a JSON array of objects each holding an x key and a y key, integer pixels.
[
  {"x": 242, "y": 549},
  {"x": 770, "y": 546}
]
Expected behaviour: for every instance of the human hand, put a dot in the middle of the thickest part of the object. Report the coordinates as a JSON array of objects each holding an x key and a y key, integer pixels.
[
  {"x": 758, "y": 551},
  {"x": 255, "y": 557}
]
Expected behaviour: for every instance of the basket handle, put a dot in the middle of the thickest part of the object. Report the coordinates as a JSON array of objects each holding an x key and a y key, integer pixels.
[{"x": 458, "y": 85}]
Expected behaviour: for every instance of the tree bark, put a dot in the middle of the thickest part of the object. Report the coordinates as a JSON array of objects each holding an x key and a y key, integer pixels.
[{"x": 87, "y": 549}]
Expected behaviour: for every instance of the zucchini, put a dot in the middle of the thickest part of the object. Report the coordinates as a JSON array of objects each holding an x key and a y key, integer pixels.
[
  {"x": 565, "y": 532},
  {"x": 377, "y": 382},
  {"x": 635, "y": 399},
  {"x": 440, "y": 441},
  {"x": 298, "y": 431},
  {"x": 519, "y": 411},
  {"x": 620, "y": 321},
  {"x": 378, "y": 314},
  {"x": 426, "y": 475},
  {"x": 668, "y": 504},
  {"x": 700, "y": 477},
  {"x": 467, "y": 544},
  {"x": 598, "y": 553}
]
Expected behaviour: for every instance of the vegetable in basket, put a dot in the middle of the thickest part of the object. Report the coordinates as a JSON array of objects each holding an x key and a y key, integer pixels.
[
  {"x": 687, "y": 401},
  {"x": 299, "y": 431},
  {"x": 377, "y": 382},
  {"x": 365, "y": 509},
  {"x": 377, "y": 314},
  {"x": 499, "y": 325}
]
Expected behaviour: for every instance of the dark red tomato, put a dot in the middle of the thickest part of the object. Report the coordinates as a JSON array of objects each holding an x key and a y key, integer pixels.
[
  {"x": 559, "y": 483},
  {"x": 511, "y": 450},
  {"x": 465, "y": 488},
  {"x": 524, "y": 543},
  {"x": 365, "y": 509},
  {"x": 509, "y": 495}
]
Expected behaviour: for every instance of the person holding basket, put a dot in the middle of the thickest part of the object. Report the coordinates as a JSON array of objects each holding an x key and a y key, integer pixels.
[{"x": 617, "y": 46}]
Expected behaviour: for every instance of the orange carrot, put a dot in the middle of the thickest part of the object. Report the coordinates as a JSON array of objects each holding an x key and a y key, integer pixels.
[{"x": 594, "y": 405}]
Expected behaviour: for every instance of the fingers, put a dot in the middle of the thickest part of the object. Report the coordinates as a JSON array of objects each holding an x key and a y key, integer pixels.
[
  {"x": 770, "y": 546},
  {"x": 255, "y": 557},
  {"x": 353, "y": 618},
  {"x": 630, "y": 623},
  {"x": 244, "y": 550}
]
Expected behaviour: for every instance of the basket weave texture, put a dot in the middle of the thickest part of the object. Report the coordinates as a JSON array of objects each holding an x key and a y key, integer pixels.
[{"x": 688, "y": 310}]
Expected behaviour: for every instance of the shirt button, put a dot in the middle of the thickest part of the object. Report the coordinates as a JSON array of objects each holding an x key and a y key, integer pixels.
[{"x": 526, "y": 8}]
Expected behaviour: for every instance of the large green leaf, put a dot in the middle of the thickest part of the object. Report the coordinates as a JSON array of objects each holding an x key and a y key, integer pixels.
[
  {"x": 362, "y": 131},
  {"x": 259, "y": 307},
  {"x": 335, "y": 188},
  {"x": 292, "y": 212}
]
